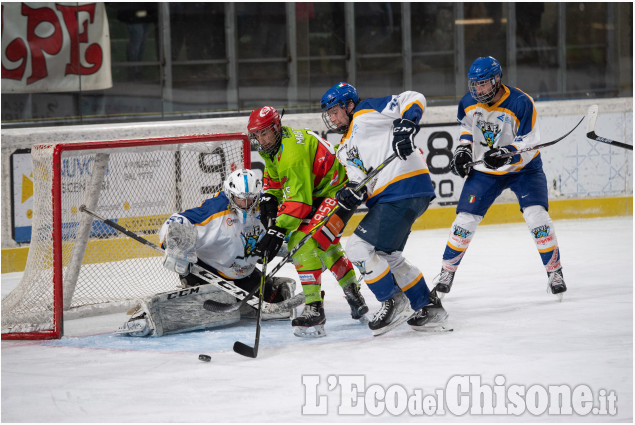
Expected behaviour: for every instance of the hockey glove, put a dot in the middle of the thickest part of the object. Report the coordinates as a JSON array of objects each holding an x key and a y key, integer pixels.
[
  {"x": 349, "y": 199},
  {"x": 492, "y": 158},
  {"x": 180, "y": 248},
  {"x": 268, "y": 209},
  {"x": 462, "y": 156},
  {"x": 271, "y": 242},
  {"x": 403, "y": 133}
]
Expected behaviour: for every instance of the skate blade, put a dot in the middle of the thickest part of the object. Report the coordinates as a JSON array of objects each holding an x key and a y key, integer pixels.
[
  {"x": 309, "y": 331},
  {"x": 399, "y": 319},
  {"x": 441, "y": 327}
]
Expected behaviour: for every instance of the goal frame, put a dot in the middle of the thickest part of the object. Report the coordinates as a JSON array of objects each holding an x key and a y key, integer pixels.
[{"x": 56, "y": 198}]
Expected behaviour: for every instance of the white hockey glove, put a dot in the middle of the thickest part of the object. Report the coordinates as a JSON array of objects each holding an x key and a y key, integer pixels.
[{"x": 180, "y": 248}]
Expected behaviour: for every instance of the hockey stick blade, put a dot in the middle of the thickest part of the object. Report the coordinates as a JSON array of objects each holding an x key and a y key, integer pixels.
[
  {"x": 245, "y": 350},
  {"x": 592, "y": 115},
  {"x": 542, "y": 145}
]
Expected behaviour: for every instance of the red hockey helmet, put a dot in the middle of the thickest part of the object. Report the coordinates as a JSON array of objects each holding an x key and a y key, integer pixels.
[{"x": 260, "y": 120}]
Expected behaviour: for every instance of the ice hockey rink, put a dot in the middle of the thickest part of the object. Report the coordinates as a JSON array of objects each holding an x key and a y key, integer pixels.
[{"x": 511, "y": 338}]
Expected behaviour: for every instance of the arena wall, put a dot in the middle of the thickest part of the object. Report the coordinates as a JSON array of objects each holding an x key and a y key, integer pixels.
[{"x": 586, "y": 178}]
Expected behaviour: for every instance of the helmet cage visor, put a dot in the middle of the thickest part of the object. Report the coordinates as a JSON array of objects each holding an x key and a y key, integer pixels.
[{"x": 484, "y": 90}]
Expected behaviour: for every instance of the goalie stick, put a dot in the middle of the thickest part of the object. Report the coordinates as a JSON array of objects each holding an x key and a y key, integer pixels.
[
  {"x": 542, "y": 145},
  {"x": 207, "y": 275},
  {"x": 217, "y": 307},
  {"x": 592, "y": 115}
]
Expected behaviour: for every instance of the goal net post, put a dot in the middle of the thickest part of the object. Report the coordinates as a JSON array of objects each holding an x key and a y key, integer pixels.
[{"x": 78, "y": 266}]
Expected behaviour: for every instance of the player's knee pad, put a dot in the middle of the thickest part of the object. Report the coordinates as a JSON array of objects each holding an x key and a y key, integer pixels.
[
  {"x": 465, "y": 224},
  {"x": 542, "y": 231},
  {"x": 358, "y": 250},
  {"x": 461, "y": 234},
  {"x": 405, "y": 273},
  {"x": 463, "y": 229}
]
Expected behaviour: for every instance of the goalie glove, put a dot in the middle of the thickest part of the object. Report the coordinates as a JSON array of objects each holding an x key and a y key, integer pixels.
[
  {"x": 180, "y": 248},
  {"x": 403, "y": 133}
]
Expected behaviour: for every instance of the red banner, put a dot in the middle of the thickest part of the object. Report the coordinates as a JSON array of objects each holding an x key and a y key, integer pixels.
[{"x": 55, "y": 47}]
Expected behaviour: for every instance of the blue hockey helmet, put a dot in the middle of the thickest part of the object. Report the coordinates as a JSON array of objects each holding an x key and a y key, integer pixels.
[
  {"x": 484, "y": 70},
  {"x": 339, "y": 94}
]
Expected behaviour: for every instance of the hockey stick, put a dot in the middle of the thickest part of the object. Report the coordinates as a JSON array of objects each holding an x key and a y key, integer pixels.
[
  {"x": 204, "y": 273},
  {"x": 244, "y": 349},
  {"x": 217, "y": 307},
  {"x": 592, "y": 114},
  {"x": 542, "y": 145}
]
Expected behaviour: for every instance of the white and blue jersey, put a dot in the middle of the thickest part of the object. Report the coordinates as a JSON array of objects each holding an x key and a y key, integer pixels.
[
  {"x": 511, "y": 121},
  {"x": 225, "y": 240},
  {"x": 368, "y": 142}
]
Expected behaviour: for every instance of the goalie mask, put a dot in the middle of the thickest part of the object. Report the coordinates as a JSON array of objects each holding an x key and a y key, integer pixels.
[
  {"x": 265, "y": 129},
  {"x": 243, "y": 189}
]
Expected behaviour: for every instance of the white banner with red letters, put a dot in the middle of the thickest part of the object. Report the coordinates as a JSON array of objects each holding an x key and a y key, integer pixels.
[{"x": 55, "y": 47}]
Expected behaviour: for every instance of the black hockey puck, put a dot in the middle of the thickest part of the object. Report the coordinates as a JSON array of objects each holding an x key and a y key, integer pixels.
[{"x": 204, "y": 357}]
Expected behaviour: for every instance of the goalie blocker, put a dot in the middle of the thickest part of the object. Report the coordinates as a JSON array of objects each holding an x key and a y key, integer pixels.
[{"x": 182, "y": 310}]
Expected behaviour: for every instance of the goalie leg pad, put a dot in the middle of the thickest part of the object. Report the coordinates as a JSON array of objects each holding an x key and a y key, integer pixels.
[{"x": 180, "y": 311}]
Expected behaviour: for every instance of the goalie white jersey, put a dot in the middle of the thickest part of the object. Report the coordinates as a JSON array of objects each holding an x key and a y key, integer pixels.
[
  {"x": 512, "y": 120},
  {"x": 225, "y": 240},
  {"x": 368, "y": 142}
]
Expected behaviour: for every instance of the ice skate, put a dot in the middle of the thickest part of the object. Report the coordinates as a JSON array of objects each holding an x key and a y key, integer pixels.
[
  {"x": 311, "y": 322},
  {"x": 431, "y": 317},
  {"x": 392, "y": 313},
  {"x": 137, "y": 325},
  {"x": 356, "y": 302},
  {"x": 443, "y": 282},
  {"x": 556, "y": 283}
]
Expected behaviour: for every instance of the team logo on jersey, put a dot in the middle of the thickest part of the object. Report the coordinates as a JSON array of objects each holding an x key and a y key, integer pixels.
[
  {"x": 461, "y": 232},
  {"x": 491, "y": 132},
  {"x": 352, "y": 157},
  {"x": 250, "y": 239},
  {"x": 541, "y": 231}
]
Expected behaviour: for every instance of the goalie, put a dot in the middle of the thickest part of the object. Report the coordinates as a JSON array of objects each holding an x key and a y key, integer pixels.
[{"x": 220, "y": 235}]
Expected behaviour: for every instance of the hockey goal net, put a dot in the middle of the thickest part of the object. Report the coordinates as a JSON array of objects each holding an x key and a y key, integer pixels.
[{"x": 78, "y": 266}]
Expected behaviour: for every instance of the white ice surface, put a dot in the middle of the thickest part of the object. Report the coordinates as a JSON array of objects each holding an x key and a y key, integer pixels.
[{"x": 505, "y": 324}]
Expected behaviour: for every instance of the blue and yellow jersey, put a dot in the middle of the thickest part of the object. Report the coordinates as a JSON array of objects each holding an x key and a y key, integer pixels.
[
  {"x": 368, "y": 142},
  {"x": 512, "y": 120},
  {"x": 225, "y": 239}
]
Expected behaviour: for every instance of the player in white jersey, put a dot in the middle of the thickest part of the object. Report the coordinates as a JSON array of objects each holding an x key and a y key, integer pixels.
[
  {"x": 497, "y": 119},
  {"x": 372, "y": 130},
  {"x": 220, "y": 235}
]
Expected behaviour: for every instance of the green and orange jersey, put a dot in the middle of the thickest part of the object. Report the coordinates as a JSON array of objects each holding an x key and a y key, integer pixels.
[{"x": 304, "y": 168}]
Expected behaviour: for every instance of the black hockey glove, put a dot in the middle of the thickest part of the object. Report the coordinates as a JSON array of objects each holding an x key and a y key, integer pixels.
[
  {"x": 462, "y": 156},
  {"x": 403, "y": 142},
  {"x": 271, "y": 242},
  {"x": 268, "y": 209},
  {"x": 348, "y": 198},
  {"x": 492, "y": 158}
]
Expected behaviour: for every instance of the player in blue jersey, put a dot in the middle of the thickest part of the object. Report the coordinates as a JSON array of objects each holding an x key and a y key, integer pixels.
[
  {"x": 372, "y": 130},
  {"x": 497, "y": 119}
]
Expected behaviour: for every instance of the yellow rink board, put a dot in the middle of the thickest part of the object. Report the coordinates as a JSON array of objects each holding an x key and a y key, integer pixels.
[{"x": 14, "y": 259}]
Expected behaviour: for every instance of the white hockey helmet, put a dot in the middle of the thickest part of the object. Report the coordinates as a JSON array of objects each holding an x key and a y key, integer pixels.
[{"x": 243, "y": 190}]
